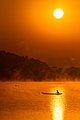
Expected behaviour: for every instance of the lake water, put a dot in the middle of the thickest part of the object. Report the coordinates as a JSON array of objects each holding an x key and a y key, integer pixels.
[{"x": 24, "y": 101}]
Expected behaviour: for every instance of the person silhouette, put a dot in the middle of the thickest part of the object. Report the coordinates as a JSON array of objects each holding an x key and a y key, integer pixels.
[{"x": 57, "y": 92}]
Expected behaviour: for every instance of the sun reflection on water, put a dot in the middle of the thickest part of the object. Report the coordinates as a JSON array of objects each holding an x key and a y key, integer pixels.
[{"x": 57, "y": 107}]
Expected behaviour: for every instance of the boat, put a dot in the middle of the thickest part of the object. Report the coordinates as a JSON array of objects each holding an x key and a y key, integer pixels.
[{"x": 45, "y": 93}]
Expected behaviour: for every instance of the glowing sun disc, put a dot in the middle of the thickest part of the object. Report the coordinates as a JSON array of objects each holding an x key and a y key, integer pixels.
[{"x": 58, "y": 13}]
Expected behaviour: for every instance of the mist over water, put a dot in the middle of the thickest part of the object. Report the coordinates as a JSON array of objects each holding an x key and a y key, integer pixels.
[{"x": 24, "y": 101}]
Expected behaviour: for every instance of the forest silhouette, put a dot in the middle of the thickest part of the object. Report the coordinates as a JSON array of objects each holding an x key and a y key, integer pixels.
[{"x": 15, "y": 67}]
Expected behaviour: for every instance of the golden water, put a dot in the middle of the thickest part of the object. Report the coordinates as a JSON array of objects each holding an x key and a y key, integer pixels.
[{"x": 24, "y": 101}]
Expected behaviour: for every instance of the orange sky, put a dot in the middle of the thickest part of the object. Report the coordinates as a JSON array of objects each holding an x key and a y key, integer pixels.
[{"x": 27, "y": 27}]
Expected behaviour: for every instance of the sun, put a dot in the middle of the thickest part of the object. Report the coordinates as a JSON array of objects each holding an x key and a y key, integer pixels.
[{"x": 58, "y": 13}]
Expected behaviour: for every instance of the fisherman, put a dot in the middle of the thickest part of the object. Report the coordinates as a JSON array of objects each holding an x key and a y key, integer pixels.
[{"x": 57, "y": 92}]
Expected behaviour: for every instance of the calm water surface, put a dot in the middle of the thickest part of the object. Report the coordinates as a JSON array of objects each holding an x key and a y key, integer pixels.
[{"x": 24, "y": 101}]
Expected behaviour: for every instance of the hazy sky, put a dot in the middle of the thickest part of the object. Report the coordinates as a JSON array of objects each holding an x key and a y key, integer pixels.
[{"x": 27, "y": 27}]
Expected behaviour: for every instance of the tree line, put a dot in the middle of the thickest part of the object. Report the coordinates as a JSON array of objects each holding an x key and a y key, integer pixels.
[{"x": 15, "y": 67}]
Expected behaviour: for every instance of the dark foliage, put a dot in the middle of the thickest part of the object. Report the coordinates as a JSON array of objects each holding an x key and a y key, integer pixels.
[
  {"x": 19, "y": 67},
  {"x": 14, "y": 67}
]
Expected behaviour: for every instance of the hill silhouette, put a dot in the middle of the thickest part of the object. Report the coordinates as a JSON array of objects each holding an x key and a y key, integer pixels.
[{"x": 15, "y": 67}]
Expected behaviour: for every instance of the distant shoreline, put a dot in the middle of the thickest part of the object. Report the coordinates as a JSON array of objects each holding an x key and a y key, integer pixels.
[{"x": 22, "y": 68}]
